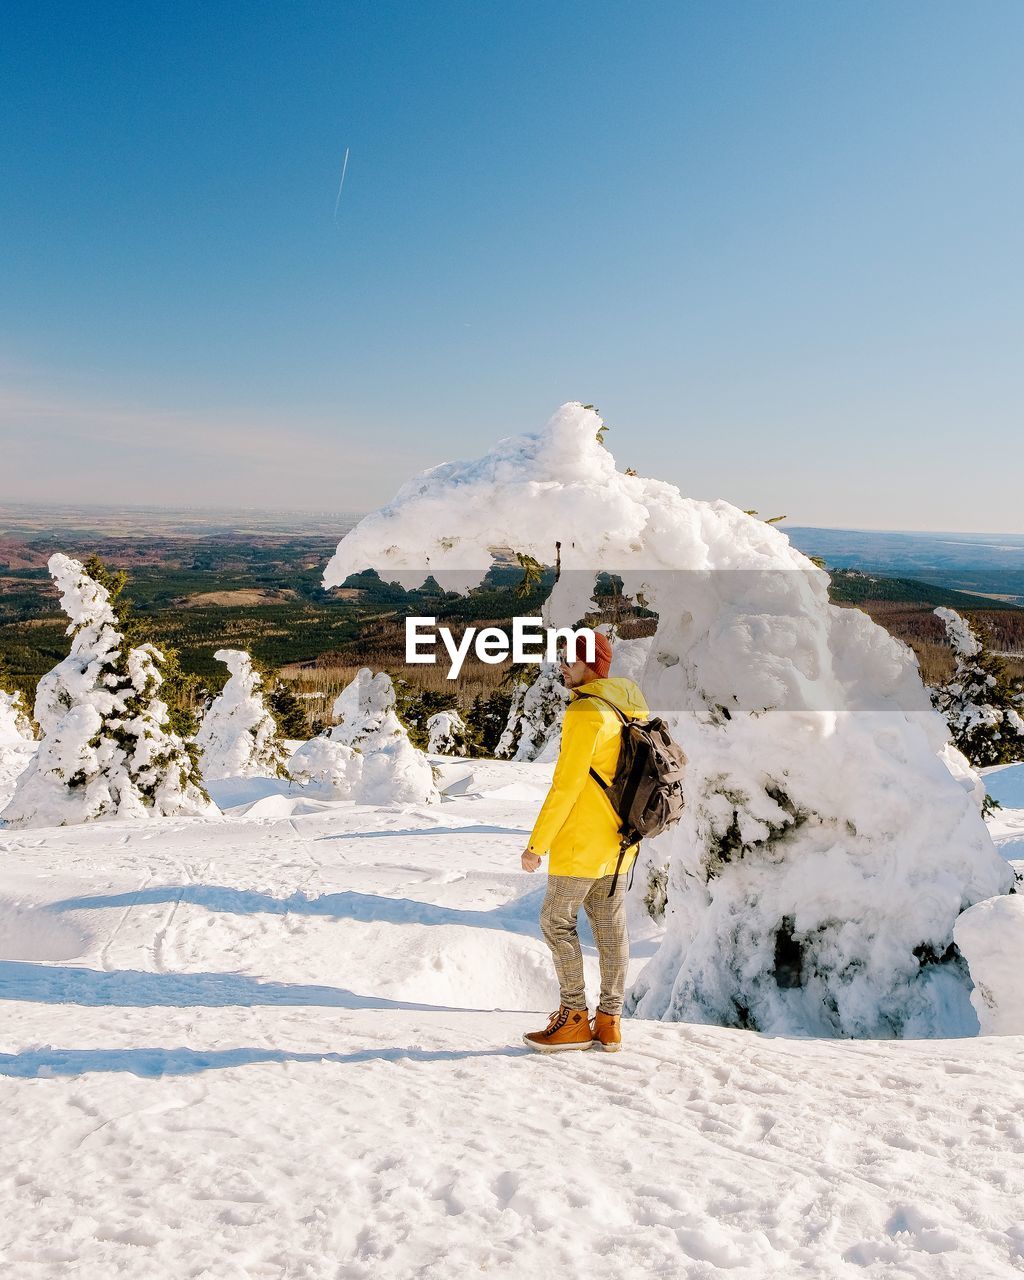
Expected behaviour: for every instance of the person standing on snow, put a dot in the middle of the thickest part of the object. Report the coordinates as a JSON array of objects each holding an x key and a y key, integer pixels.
[{"x": 579, "y": 828}]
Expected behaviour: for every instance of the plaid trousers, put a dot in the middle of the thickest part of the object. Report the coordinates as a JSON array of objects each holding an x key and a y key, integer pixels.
[{"x": 565, "y": 895}]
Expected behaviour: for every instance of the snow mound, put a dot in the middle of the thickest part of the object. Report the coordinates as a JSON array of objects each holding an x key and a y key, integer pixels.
[
  {"x": 457, "y": 967},
  {"x": 827, "y": 847},
  {"x": 35, "y": 934},
  {"x": 279, "y": 806},
  {"x": 991, "y": 936},
  {"x": 230, "y": 793},
  {"x": 453, "y": 777},
  {"x": 1005, "y": 783}
]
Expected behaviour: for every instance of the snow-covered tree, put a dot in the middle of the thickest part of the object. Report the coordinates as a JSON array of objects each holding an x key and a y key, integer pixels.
[
  {"x": 508, "y": 743},
  {"x": 238, "y": 737},
  {"x": 107, "y": 749},
  {"x": 447, "y": 734},
  {"x": 832, "y": 837},
  {"x": 17, "y": 740},
  {"x": 486, "y": 719},
  {"x": 288, "y": 712},
  {"x": 984, "y": 711},
  {"x": 534, "y": 727},
  {"x": 394, "y": 771},
  {"x": 414, "y": 707},
  {"x": 15, "y": 726},
  {"x": 367, "y": 756}
]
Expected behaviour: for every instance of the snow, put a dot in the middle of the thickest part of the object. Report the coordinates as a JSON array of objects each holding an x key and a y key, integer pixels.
[
  {"x": 446, "y": 733},
  {"x": 17, "y": 746},
  {"x": 629, "y": 657},
  {"x": 15, "y": 726},
  {"x": 827, "y": 817},
  {"x": 288, "y": 1044},
  {"x": 331, "y": 769},
  {"x": 534, "y": 727},
  {"x": 107, "y": 751},
  {"x": 959, "y": 633},
  {"x": 14, "y": 760},
  {"x": 991, "y": 936},
  {"x": 979, "y": 704},
  {"x": 367, "y": 756},
  {"x": 1005, "y": 783},
  {"x": 238, "y": 737}
]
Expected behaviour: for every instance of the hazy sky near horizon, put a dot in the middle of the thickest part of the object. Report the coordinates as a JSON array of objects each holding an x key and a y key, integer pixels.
[{"x": 779, "y": 246}]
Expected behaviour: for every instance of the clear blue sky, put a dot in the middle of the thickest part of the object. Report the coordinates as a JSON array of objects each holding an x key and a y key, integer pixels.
[{"x": 779, "y": 245}]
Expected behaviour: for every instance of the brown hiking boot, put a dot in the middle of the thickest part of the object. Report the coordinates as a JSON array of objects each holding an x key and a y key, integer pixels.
[
  {"x": 566, "y": 1029},
  {"x": 607, "y": 1031}
]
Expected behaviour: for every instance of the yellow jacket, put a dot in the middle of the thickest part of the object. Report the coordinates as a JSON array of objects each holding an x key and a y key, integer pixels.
[{"x": 577, "y": 823}]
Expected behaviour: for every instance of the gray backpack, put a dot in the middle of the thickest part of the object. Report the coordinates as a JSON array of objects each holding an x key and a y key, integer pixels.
[{"x": 647, "y": 790}]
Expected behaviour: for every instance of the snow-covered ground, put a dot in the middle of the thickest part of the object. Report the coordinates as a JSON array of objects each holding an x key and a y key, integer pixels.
[
  {"x": 1005, "y": 783},
  {"x": 287, "y": 1044}
]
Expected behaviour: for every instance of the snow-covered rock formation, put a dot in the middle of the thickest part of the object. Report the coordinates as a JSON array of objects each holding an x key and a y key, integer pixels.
[
  {"x": 827, "y": 849},
  {"x": 534, "y": 728},
  {"x": 447, "y": 734},
  {"x": 367, "y": 756},
  {"x": 238, "y": 737},
  {"x": 107, "y": 750}
]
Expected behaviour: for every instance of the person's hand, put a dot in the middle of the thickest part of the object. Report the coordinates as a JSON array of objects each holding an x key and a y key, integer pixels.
[{"x": 530, "y": 861}]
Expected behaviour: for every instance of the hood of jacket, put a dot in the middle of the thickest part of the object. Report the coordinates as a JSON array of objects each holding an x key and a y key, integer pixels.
[{"x": 621, "y": 692}]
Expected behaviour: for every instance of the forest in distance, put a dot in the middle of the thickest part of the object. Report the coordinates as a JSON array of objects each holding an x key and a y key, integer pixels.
[{"x": 202, "y": 580}]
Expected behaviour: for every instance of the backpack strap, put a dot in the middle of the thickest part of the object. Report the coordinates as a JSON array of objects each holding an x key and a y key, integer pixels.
[
  {"x": 608, "y": 703},
  {"x": 605, "y": 786},
  {"x": 594, "y": 775},
  {"x": 632, "y": 782}
]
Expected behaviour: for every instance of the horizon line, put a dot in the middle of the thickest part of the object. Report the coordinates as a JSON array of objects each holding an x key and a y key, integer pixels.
[{"x": 181, "y": 509}]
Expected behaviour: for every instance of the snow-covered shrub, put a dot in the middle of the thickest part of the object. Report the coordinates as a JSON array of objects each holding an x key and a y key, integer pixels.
[
  {"x": 985, "y": 713},
  {"x": 329, "y": 768},
  {"x": 238, "y": 737},
  {"x": 534, "y": 727},
  {"x": 415, "y": 708},
  {"x": 447, "y": 734},
  {"x": 107, "y": 750},
  {"x": 991, "y": 937},
  {"x": 379, "y": 765},
  {"x": 827, "y": 850}
]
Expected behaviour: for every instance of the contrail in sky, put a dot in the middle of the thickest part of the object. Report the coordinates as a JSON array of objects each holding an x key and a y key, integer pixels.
[{"x": 344, "y": 166}]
